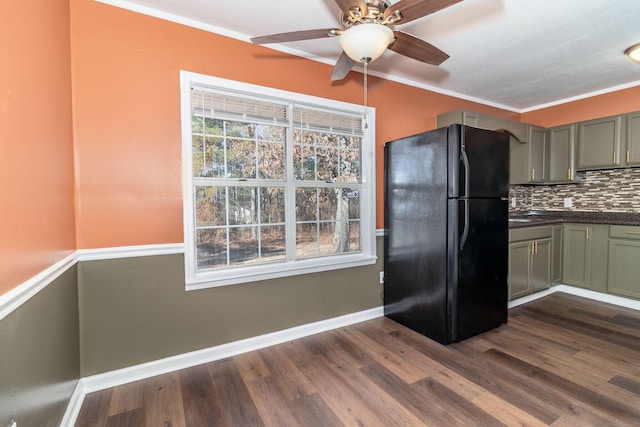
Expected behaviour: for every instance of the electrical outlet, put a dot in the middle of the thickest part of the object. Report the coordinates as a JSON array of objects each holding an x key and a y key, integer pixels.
[
  {"x": 568, "y": 202},
  {"x": 381, "y": 277},
  {"x": 513, "y": 202}
]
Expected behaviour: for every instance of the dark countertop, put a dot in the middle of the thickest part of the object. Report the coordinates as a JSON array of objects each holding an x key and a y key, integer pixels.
[{"x": 533, "y": 218}]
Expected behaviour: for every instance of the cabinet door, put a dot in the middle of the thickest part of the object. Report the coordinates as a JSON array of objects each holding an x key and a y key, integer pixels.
[
  {"x": 537, "y": 152},
  {"x": 633, "y": 139},
  {"x": 599, "y": 143},
  {"x": 598, "y": 261},
  {"x": 624, "y": 268},
  {"x": 556, "y": 254},
  {"x": 561, "y": 154},
  {"x": 519, "y": 254},
  {"x": 518, "y": 162},
  {"x": 541, "y": 265},
  {"x": 575, "y": 255}
]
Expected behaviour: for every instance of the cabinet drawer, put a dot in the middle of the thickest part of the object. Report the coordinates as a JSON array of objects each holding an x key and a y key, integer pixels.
[
  {"x": 625, "y": 232},
  {"x": 530, "y": 233}
]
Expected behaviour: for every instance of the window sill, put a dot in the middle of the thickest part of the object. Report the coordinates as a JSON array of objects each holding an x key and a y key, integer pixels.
[{"x": 273, "y": 271}]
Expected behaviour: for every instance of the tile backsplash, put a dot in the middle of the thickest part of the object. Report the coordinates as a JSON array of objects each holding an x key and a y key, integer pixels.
[{"x": 616, "y": 190}]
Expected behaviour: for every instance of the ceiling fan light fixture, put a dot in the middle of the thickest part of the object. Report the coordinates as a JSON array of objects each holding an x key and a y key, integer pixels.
[
  {"x": 366, "y": 42},
  {"x": 633, "y": 52}
]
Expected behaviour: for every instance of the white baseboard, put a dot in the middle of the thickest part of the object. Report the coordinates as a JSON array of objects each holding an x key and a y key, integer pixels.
[
  {"x": 593, "y": 295},
  {"x": 186, "y": 360}
]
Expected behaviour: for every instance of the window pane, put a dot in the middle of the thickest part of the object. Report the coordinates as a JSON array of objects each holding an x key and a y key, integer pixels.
[
  {"x": 270, "y": 133},
  {"x": 273, "y": 244},
  {"x": 213, "y": 126},
  {"x": 242, "y": 205},
  {"x": 241, "y": 158},
  {"x": 350, "y": 170},
  {"x": 306, "y": 240},
  {"x": 306, "y": 204},
  {"x": 328, "y": 203},
  {"x": 353, "y": 196},
  {"x": 355, "y": 243},
  {"x": 271, "y": 160},
  {"x": 326, "y": 239},
  {"x": 196, "y": 124},
  {"x": 210, "y": 206},
  {"x": 329, "y": 164},
  {"x": 305, "y": 162},
  {"x": 211, "y": 248},
  {"x": 272, "y": 205},
  {"x": 243, "y": 245}
]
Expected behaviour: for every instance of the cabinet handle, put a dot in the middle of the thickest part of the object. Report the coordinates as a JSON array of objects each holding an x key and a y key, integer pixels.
[
  {"x": 628, "y": 156},
  {"x": 569, "y": 174},
  {"x": 533, "y": 174},
  {"x": 587, "y": 233},
  {"x": 614, "y": 157},
  {"x": 632, "y": 232},
  {"x": 535, "y": 247}
]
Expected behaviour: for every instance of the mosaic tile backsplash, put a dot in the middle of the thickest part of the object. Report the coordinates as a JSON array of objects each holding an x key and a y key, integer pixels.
[{"x": 615, "y": 190}]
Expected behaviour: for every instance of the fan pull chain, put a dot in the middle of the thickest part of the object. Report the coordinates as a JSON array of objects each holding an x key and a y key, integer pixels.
[{"x": 366, "y": 125}]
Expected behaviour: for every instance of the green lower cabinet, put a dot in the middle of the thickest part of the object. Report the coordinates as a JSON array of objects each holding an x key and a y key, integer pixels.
[
  {"x": 556, "y": 253},
  {"x": 585, "y": 255},
  {"x": 529, "y": 267},
  {"x": 624, "y": 261}
]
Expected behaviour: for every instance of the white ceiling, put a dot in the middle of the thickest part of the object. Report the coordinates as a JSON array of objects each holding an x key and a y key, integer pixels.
[{"x": 515, "y": 54}]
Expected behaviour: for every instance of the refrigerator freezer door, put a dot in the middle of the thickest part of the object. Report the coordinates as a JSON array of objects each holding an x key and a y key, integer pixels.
[
  {"x": 478, "y": 271},
  {"x": 479, "y": 163}
]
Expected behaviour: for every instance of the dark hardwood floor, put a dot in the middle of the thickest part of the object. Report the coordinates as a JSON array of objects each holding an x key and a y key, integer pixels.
[{"x": 562, "y": 360}]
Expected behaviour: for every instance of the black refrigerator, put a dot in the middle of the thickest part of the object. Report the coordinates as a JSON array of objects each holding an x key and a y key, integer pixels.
[{"x": 446, "y": 232}]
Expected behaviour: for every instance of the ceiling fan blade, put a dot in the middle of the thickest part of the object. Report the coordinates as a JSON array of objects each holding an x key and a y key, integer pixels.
[
  {"x": 344, "y": 64},
  {"x": 413, "y": 47},
  {"x": 414, "y": 9},
  {"x": 349, "y": 7},
  {"x": 296, "y": 35}
]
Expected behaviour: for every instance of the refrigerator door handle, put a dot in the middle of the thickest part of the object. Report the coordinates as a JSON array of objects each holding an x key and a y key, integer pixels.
[
  {"x": 465, "y": 161},
  {"x": 465, "y": 230}
]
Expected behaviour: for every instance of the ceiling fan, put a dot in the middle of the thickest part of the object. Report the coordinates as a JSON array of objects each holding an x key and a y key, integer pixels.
[{"x": 367, "y": 32}]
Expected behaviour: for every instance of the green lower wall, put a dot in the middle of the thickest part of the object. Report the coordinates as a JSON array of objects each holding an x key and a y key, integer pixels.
[
  {"x": 104, "y": 315},
  {"x": 136, "y": 310},
  {"x": 39, "y": 355}
]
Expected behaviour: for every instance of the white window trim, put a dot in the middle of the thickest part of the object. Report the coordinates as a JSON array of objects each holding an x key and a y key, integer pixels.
[{"x": 234, "y": 275}]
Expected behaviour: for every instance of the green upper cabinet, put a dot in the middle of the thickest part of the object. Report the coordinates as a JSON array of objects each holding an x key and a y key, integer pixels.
[
  {"x": 600, "y": 143},
  {"x": 561, "y": 154},
  {"x": 528, "y": 157},
  {"x": 632, "y": 155}
]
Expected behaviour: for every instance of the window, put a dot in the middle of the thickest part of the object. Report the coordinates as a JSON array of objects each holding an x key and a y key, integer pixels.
[{"x": 275, "y": 183}]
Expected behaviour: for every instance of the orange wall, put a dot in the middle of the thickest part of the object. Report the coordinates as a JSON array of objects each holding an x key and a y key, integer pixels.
[
  {"x": 609, "y": 104},
  {"x": 127, "y": 114},
  {"x": 36, "y": 165}
]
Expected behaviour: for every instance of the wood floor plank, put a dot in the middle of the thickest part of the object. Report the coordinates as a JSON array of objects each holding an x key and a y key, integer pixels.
[
  {"x": 163, "y": 401},
  {"x": 561, "y": 360},
  {"x": 616, "y": 409},
  {"x": 95, "y": 409},
  {"x": 626, "y": 384},
  {"x": 198, "y": 397},
  {"x": 286, "y": 376},
  {"x": 232, "y": 396}
]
